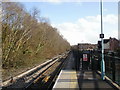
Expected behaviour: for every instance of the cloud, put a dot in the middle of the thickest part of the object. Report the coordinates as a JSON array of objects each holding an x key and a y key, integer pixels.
[
  {"x": 59, "y": 1},
  {"x": 52, "y": 0},
  {"x": 111, "y": 19},
  {"x": 87, "y": 30},
  {"x": 105, "y": 10}
]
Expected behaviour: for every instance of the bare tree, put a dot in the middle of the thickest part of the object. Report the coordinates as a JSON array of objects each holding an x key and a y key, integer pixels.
[{"x": 28, "y": 36}]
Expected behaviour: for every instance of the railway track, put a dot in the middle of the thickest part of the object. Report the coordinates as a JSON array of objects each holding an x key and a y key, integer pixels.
[
  {"x": 47, "y": 79},
  {"x": 42, "y": 73}
]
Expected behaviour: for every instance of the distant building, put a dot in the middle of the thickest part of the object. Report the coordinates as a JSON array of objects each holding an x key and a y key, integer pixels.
[
  {"x": 110, "y": 44},
  {"x": 107, "y": 44},
  {"x": 87, "y": 46},
  {"x": 114, "y": 44},
  {"x": 119, "y": 43}
]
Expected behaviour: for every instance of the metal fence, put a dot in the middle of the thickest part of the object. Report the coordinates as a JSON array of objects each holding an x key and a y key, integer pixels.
[{"x": 112, "y": 65}]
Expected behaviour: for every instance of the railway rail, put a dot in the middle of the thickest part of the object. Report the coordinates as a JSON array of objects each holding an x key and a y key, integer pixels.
[
  {"x": 42, "y": 72},
  {"x": 47, "y": 79}
]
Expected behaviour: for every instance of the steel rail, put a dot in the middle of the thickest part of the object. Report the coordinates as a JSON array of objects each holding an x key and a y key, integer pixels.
[{"x": 30, "y": 73}]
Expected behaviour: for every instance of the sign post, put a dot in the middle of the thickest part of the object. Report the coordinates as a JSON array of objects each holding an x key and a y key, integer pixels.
[{"x": 102, "y": 40}]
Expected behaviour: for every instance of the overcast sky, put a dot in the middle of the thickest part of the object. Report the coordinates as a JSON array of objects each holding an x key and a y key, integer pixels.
[{"x": 79, "y": 22}]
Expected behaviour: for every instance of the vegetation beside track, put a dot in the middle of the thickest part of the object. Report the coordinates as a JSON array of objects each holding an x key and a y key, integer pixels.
[{"x": 28, "y": 39}]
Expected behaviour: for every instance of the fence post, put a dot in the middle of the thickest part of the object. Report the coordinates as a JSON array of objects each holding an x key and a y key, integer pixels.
[
  {"x": 99, "y": 61},
  {"x": 113, "y": 67}
]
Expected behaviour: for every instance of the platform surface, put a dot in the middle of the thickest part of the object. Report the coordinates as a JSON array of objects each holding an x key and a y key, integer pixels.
[
  {"x": 91, "y": 80},
  {"x": 67, "y": 77},
  {"x": 70, "y": 79}
]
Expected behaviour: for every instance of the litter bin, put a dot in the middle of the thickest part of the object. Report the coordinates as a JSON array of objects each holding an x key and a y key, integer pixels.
[{"x": 85, "y": 60}]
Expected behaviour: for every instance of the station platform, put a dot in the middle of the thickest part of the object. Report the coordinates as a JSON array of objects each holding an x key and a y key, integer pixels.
[
  {"x": 68, "y": 76},
  {"x": 80, "y": 80}
]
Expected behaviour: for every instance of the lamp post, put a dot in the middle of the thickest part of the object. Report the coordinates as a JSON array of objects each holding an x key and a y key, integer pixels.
[{"x": 102, "y": 40}]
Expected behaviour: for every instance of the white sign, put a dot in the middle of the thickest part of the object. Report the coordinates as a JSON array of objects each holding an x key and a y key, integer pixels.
[{"x": 85, "y": 57}]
